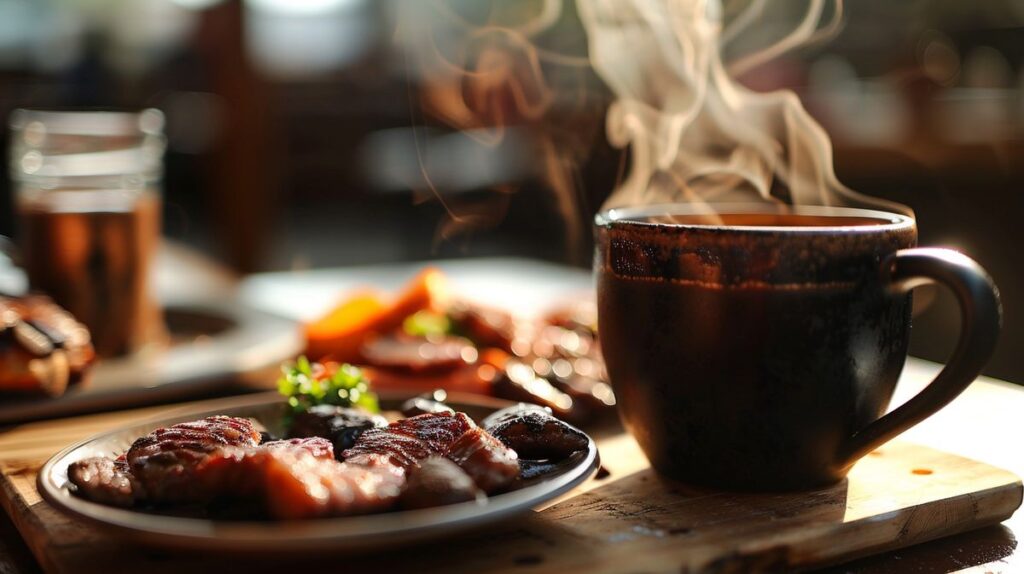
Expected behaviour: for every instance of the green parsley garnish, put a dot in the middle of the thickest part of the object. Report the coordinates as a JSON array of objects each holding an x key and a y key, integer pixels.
[
  {"x": 346, "y": 387},
  {"x": 426, "y": 323}
]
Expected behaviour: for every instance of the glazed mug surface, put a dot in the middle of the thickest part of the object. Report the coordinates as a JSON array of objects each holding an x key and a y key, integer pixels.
[{"x": 758, "y": 348}]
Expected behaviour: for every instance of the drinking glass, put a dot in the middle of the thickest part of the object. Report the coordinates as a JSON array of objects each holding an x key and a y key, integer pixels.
[{"x": 87, "y": 198}]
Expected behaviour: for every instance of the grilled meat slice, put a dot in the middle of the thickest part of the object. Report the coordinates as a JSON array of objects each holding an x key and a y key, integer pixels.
[
  {"x": 438, "y": 430},
  {"x": 437, "y": 482},
  {"x": 299, "y": 478},
  {"x": 419, "y": 355},
  {"x": 400, "y": 450},
  {"x": 299, "y": 485},
  {"x": 165, "y": 460},
  {"x": 534, "y": 433},
  {"x": 408, "y": 441},
  {"x": 104, "y": 480},
  {"x": 492, "y": 465}
]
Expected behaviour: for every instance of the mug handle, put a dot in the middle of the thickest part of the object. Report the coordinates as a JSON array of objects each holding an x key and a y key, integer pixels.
[{"x": 980, "y": 322}]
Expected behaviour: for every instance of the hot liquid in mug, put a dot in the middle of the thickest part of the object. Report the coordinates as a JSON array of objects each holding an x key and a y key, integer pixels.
[{"x": 759, "y": 349}]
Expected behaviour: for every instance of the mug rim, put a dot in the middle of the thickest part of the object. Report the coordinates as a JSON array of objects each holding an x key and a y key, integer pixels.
[{"x": 888, "y": 221}]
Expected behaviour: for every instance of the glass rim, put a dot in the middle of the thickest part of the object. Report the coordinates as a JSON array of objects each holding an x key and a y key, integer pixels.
[{"x": 90, "y": 122}]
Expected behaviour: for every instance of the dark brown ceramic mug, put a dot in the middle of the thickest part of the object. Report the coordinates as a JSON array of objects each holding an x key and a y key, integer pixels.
[{"x": 759, "y": 349}]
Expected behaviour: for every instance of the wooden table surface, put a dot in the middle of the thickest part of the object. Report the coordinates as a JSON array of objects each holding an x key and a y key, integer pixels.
[
  {"x": 981, "y": 425},
  {"x": 984, "y": 424}
]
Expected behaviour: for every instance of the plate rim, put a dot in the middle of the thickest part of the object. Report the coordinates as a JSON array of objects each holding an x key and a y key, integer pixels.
[{"x": 344, "y": 532}]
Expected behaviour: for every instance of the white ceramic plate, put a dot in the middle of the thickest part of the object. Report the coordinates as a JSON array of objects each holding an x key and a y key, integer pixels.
[{"x": 328, "y": 534}]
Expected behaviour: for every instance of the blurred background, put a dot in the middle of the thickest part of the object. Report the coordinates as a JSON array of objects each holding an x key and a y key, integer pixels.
[{"x": 319, "y": 133}]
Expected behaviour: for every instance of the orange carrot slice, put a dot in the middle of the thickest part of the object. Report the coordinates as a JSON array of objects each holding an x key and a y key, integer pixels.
[
  {"x": 427, "y": 290},
  {"x": 340, "y": 333}
]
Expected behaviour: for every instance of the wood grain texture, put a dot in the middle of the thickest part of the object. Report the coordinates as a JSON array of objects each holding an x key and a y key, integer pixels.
[{"x": 632, "y": 520}]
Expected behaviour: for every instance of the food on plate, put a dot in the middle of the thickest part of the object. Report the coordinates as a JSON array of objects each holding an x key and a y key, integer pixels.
[
  {"x": 217, "y": 457},
  {"x": 343, "y": 331},
  {"x": 438, "y": 482},
  {"x": 488, "y": 461},
  {"x": 306, "y": 385},
  {"x": 43, "y": 349},
  {"x": 426, "y": 338},
  {"x": 339, "y": 458},
  {"x": 413, "y": 355},
  {"x": 535, "y": 433},
  {"x": 543, "y": 442},
  {"x": 105, "y": 480},
  {"x": 165, "y": 462},
  {"x": 298, "y": 485},
  {"x": 340, "y": 425},
  {"x": 317, "y": 446},
  {"x": 407, "y": 441}
]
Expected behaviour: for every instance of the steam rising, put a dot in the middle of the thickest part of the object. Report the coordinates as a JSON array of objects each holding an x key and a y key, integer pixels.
[
  {"x": 694, "y": 134},
  {"x": 483, "y": 72}
]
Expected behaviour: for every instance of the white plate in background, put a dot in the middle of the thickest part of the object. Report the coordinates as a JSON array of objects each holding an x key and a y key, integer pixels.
[{"x": 526, "y": 286}]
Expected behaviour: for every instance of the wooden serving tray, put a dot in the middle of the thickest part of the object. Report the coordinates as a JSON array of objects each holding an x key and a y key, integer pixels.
[{"x": 630, "y": 520}]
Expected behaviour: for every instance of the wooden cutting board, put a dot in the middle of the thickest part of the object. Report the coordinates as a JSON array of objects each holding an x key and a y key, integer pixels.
[{"x": 630, "y": 520}]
